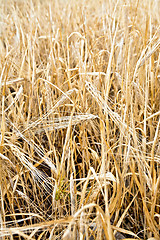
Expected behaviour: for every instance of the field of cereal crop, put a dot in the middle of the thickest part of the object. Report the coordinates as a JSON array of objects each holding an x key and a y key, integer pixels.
[{"x": 79, "y": 119}]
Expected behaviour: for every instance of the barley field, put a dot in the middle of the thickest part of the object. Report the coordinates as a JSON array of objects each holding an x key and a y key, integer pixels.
[{"x": 79, "y": 119}]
